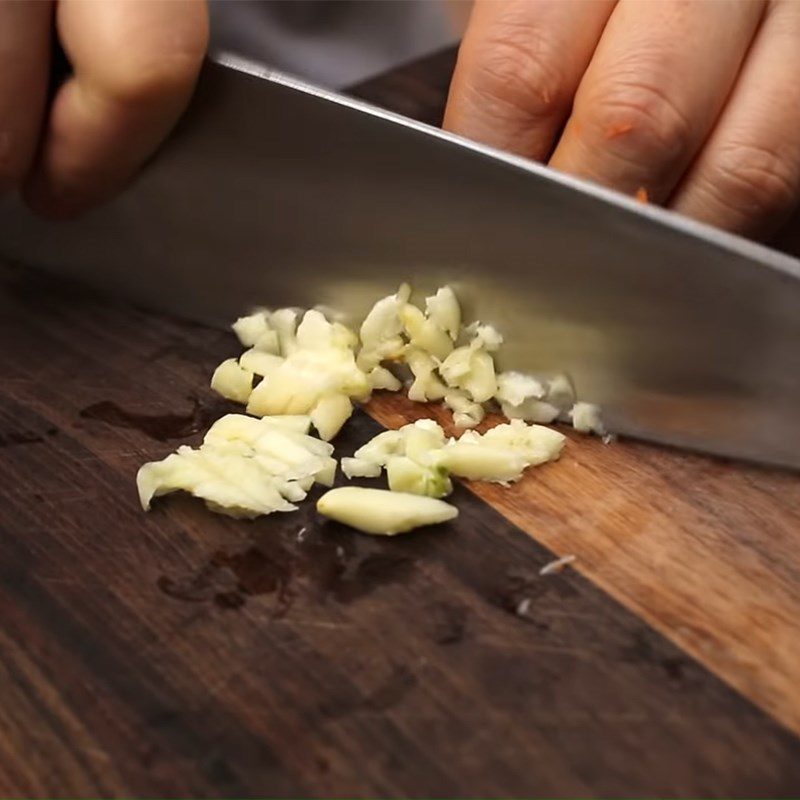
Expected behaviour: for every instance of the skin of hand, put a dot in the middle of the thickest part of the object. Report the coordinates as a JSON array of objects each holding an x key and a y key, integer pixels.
[
  {"x": 694, "y": 104},
  {"x": 134, "y": 66}
]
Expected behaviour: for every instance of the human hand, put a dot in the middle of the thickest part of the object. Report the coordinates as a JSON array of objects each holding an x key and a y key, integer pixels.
[
  {"x": 697, "y": 102},
  {"x": 134, "y": 67}
]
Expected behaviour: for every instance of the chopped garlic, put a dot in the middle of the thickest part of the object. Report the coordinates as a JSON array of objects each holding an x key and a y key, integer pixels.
[
  {"x": 284, "y": 321},
  {"x": 444, "y": 310},
  {"x": 259, "y": 361},
  {"x": 330, "y": 413},
  {"x": 382, "y": 378},
  {"x": 531, "y": 410},
  {"x": 407, "y": 475},
  {"x": 472, "y": 370},
  {"x": 557, "y": 565},
  {"x": 316, "y": 367},
  {"x": 268, "y": 342},
  {"x": 422, "y": 438},
  {"x": 245, "y": 467},
  {"x": 456, "y": 366},
  {"x": 326, "y": 474},
  {"x": 480, "y": 382},
  {"x": 466, "y": 412},
  {"x": 586, "y": 418},
  {"x": 359, "y": 468},
  {"x": 514, "y": 388},
  {"x": 382, "y": 512},
  {"x": 235, "y": 485},
  {"x": 380, "y": 331},
  {"x": 238, "y": 427},
  {"x": 232, "y": 381},
  {"x": 250, "y": 328},
  {"x": 484, "y": 336},
  {"x": 480, "y": 461},
  {"x": 424, "y": 334},
  {"x": 378, "y": 450},
  {"x": 536, "y": 442},
  {"x": 426, "y": 385}
]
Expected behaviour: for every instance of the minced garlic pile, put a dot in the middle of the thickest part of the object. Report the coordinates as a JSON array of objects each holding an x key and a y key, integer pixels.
[{"x": 302, "y": 370}]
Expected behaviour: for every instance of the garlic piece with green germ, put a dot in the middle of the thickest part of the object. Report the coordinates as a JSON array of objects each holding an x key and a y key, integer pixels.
[
  {"x": 382, "y": 512},
  {"x": 407, "y": 475}
]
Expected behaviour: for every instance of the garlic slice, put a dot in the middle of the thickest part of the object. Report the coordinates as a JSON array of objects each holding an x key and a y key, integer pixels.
[{"x": 382, "y": 512}]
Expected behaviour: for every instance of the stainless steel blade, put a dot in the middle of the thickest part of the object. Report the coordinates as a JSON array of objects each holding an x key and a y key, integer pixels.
[{"x": 273, "y": 193}]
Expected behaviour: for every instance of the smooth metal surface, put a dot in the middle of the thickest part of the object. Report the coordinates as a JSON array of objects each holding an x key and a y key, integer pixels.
[{"x": 273, "y": 194}]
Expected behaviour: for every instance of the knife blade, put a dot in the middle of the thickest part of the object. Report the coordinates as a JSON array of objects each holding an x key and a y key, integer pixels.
[{"x": 271, "y": 192}]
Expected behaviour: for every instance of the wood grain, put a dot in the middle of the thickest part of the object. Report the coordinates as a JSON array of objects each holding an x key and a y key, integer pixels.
[
  {"x": 706, "y": 549},
  {"x": 179, "y": 653}
]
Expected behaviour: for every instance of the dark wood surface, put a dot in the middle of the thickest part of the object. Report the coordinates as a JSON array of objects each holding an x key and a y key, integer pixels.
[{"x": 181, "y": 653}]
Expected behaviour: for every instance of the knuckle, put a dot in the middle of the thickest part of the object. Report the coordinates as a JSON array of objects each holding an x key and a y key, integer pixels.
[
  {"x": 516, "y": 69},
  {"x": 642, "y": 118},
  {"x": 755, "y": 180}
]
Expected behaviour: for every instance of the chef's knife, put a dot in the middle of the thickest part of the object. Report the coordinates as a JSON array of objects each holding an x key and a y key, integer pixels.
[{"x": 271, "y": 192}]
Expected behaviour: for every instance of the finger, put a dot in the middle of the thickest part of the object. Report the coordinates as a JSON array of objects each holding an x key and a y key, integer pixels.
[
  {"x": 518, "y": 68},
  {"x": 135, "y": 63},
  {"x": 24, "y": 66},
  {"x": 653, "y": 90},
  {"x": 747, "y": 177}
]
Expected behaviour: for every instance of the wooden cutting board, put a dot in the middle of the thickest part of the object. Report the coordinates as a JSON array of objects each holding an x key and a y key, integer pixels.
[{"x": 182, "y": 653}]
